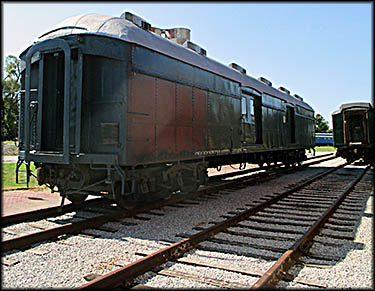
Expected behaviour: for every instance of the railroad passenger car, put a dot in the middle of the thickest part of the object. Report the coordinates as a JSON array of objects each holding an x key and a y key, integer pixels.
[
  {"x": 353, "y": 131},
  {"x": 323, "y": 139},
  {"x": 113, "y": 106}
]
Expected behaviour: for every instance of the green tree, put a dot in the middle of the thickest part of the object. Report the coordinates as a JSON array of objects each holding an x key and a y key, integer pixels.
[
  {"x": 321, "y": 125},
  {"x": 9, "y": 109}
]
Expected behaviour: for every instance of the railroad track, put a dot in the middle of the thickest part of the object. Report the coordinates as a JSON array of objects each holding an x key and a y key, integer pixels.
[
  {"x": 81, "y": 221},
  {"x": 321, "y": 196},
  {"x": 172, "y": 203},
  {"x": 58, "y": 210},
  {"x": 310, "y": 161}
]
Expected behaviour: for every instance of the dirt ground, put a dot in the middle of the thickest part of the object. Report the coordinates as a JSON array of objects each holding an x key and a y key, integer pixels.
[{"x": 26, "y": 200}]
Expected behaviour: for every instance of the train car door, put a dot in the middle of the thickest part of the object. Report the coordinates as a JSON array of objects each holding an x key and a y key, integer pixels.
[
  {"x": 47, "y": 102},
  {"x": 251, "y": 116},
  {"x": 290, "y": 125},
  {"x": 355, "y": 127},
  {"x": 53, "y": 103}
]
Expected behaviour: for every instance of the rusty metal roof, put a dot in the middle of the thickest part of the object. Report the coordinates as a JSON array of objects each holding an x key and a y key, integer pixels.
[{"x": 121, "y": 28}]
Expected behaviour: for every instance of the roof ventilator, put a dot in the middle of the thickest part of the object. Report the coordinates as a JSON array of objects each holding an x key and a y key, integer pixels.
[
  {"x": 188, "y": 44},
  {"x": 138, "y": 21},
  {"x": 298, "y": 97},
  {"x": 238, "y": 68},
  {"x": 178, "y": 35},
  {"x": 284, "y": 90},
  {"x": 265, "y": 81}
]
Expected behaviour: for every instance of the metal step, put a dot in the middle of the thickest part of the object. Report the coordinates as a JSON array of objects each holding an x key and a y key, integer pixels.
[{"x": 26, "y": 176}]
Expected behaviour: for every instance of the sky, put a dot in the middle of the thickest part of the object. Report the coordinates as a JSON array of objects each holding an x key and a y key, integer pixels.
[{"x": 321, "y": 51}]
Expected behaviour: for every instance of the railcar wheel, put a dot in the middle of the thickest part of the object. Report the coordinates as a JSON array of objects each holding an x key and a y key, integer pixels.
[
  {"x": 157, "y": 195},
  {"x": 130, "y": 200},
  {"x": 189, "y": 183},
  {"x": 160, "y": 191},
  {"x": 286, "y": 162},
  {"x": 269, "y": 165},
  {"x": 76, "y": 198},
  {"x": 203, "y": 176},
  {"x": 189, "y": 186},
  {"x": 124, "y": 201}
]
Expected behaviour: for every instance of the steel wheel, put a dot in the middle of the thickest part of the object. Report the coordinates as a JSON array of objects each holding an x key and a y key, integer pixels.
[{"x": 76, "y": 198}]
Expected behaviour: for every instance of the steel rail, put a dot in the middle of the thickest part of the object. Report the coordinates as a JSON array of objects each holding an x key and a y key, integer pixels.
[
  {"x": 247, "y": 171},
  {"x": 274, "y": 173},
  {"x": 288, "y": 259},
  {"x": 75, "y": 227},
  {"x": 321, "y": 156},
  {"x": 130, "y": 272}
]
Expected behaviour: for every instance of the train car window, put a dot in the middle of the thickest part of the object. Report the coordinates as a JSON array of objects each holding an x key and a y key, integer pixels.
[
  {"x": 251, "y": 107},
  {"x": 248, "y": 109},
  {"x": 244, "y": 106},
  {"x": 290, "y": 123},
  {"x": 252, "y": 114}
]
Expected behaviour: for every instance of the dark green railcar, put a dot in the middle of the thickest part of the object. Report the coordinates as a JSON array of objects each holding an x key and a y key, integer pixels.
[
  {"x": 110, "y": 107},
  {"x": 353, "y": 131}
]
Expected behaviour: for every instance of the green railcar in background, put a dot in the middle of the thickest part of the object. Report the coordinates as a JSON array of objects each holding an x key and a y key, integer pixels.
[{"x": 353, "y": 131}]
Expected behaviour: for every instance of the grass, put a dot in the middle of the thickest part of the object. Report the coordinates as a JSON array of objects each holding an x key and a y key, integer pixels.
[
  {"x": 9, "y": 176},
  {"x": 325, "y": 149},
  {"x": 8, "y": 148},
  {"x": 8, "y": 170},
  {"x": 329, "y": 149}
]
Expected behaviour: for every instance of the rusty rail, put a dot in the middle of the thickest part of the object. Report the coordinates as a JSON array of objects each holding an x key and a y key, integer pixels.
[
  {"x": 273, "y": 174},
  {"x": 247, "y": 171},
  {"x": 76, "y": 227},
  {"x": 288, "y": 259},
  {"x": 128, "y": 273},
  {"x": 47, "y": 212}
]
